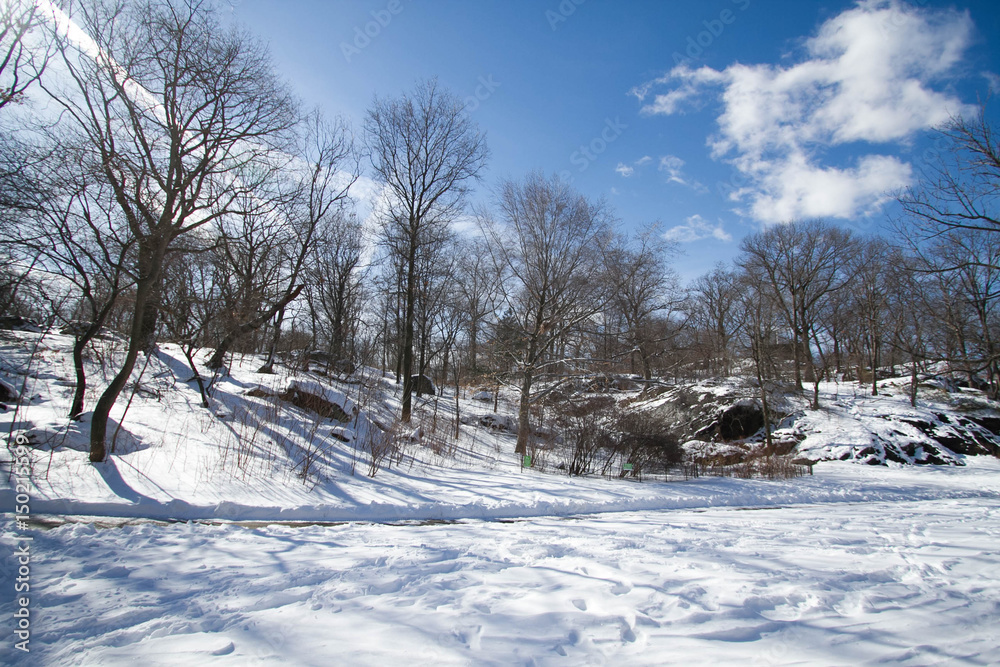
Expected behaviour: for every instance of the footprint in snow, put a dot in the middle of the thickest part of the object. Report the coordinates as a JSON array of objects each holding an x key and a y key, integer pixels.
[
  {"x": 580, "y": 604},
  {"x": 225, "y": 650},
  {"x": 119, "y": 572},
  {"x": 621, "y": 588}
]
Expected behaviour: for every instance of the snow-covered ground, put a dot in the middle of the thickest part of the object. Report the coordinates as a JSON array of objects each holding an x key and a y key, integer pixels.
[
  {"x": 898, "y": 580},
  {"x": 456, "y": 555}
]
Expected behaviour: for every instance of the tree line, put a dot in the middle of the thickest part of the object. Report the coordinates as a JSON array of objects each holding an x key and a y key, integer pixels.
[{"x": 159, "y": 180}]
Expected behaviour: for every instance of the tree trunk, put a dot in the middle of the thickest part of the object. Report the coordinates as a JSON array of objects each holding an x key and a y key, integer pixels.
[
  {"x": 235, "y": 334},
  {"x": 523, "y": 412},
  {"x": 150, "y": 266},
  {"x": 189, "y": 355},
  {"x": 523, "y": 415},
  {"x": 647, "y": 369},
  {"x": 76, "y": 407},
  {"x": 408, "y": 335},
  {"x": 875, "y": 362},
  {"x": 268, "y": 366}
]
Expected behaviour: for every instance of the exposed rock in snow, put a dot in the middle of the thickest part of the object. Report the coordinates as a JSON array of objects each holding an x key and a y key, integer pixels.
[
  {"x": 949, "y": 423},
  {"x": 311, "y": 395},
  {"x": 7, "y": 393},
  {"x": 424, "y": 385}
]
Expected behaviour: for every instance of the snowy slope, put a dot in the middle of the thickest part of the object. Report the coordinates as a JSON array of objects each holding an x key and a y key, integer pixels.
[
  {"x": 944, "y": 427},
  {"x": 454, "y": 555},
  {"x": 255, "y": 456}
]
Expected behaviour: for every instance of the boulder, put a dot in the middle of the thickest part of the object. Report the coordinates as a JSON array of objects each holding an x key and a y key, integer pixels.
[
  {"x": 7, "y": 393},
  {"x": 423, "y": 385},
  {"x": 325, "y": 402}
]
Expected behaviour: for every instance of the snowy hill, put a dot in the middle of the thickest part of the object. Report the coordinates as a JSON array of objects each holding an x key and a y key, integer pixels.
[
  {"x": 722, "y": 420},
  {"x": 307, "y": 559},
  {"x": 305, "y": 446}
]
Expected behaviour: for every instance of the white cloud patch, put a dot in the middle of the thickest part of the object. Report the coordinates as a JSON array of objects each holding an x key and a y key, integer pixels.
[
  {"x": 624, "y": 169},
  {"x": 993, "y": 81},
  {"x": 696, "y": 228},
  {"x": 866, "y": 79},
  {"x": 672, "y": 166}
]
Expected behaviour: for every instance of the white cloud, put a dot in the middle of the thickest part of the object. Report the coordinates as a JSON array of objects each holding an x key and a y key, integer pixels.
[
  {"x": 696, "y": 228},
  {"x": 624, "y": 169},
  {"x": 993, "y": 81},
  {"x": 866, "y": 79},
  {"x": 672, "y": 166}
]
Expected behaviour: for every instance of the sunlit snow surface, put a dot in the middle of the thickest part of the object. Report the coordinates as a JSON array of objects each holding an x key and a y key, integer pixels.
[
  {"x": 853, "y": 565},
  {"x": 904, "y": 582}
]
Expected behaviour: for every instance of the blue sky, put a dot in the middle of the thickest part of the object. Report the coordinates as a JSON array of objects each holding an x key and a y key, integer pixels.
[{"x": 715, "y": 118}]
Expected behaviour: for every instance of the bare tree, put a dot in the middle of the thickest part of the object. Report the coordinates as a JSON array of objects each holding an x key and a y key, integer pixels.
[
  {"x": 24, "y": 48},
  {"x": 869, "y": 299},
  {"x": 75, "y": 232},
  {"x": 336, "y": 285},
  {"x": 309, "y": 196},
  {"x": 757, "y": 314},
  {"x": 549, "y": 244},
  {"x": 802, "y": 262},
  {"x": 959, "y": 191},
  {"x": 181, "y": 116},
  {"x": 964, "y": 268},
  {"x": 477, "y": 286},
  {"x": 642, "y": 285},
  {"x": 426, "y": 151},
  {"x": 716, "y": 310}
]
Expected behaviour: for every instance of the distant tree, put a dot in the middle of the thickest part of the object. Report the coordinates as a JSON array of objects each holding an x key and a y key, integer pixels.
[
  {"x": 426, "y": 151},
  {"x": 642, "y": 285},
  {"x": 802, "y": 263},
  {"x": 285, "y": 226},
  {"x": 910, "y": 309},
  {"x": 716, "y": 310},
  {"x": 758, "y": 317},
  {"x": 478, "y": 291},
  {"x": 547, "y": 242},
  {"x": 964, "y": 267},
  {"x": 869, "y": 298},
  {"x": 335, "y": 285}
]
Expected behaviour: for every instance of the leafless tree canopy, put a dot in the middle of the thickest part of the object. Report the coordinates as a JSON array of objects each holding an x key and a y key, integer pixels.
[
  {"x": 426, "y": 152},
  {"x": 182, "y": 118},
  {"x": 547, "y": 246}
]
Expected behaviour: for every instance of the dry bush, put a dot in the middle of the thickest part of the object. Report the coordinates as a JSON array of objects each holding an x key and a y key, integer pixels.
[
  {"x": 644, "y": 441},
  {"x": 583, "y": 425}
]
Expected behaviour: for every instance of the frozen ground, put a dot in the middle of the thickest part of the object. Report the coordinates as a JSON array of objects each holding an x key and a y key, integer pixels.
[
  {"x": 455, "y": 555},
  {"x": 898, "y": 582}
]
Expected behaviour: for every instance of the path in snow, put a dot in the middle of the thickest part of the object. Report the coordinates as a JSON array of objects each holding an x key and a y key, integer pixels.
[{"x": 898, "y": 582}]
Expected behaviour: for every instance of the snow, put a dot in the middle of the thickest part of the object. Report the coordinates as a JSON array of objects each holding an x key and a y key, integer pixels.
[
  {"x": 187, "y": 548},
  {"x": 901, "y": 581}
]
